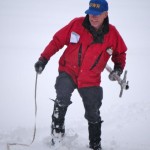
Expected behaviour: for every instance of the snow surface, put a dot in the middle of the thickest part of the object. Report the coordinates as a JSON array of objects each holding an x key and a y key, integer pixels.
[{"x": 26, "y": 27}]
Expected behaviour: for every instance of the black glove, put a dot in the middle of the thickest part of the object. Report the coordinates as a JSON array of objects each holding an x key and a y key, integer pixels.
[
  {"x": 40, "y": 64},
  {"x": 118, "y": 71}
]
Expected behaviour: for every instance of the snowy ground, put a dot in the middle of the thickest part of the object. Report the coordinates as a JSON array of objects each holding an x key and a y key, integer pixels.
[{"x": 26, "y": 28}]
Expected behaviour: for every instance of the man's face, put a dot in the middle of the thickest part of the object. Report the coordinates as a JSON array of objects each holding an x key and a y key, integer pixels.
[{"x": 97, "y": 21}]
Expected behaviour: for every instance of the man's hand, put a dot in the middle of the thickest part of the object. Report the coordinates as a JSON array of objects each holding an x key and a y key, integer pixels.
[
  {"x": 116, "y": 71},
  {"x": 40, "y": 65}
]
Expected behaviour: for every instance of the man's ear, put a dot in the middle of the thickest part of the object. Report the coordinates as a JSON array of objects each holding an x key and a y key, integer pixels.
[{"x": 106, "y": 13}]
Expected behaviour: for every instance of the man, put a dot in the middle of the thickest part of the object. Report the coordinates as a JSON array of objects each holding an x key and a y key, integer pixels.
[{"x": 90, "y": 42}]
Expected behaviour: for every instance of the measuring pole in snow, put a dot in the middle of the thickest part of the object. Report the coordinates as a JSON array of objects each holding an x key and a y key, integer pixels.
[{"x": 122, "y": 82}]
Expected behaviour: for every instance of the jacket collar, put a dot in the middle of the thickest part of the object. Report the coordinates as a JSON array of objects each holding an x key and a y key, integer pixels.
[{"x": 98, "y": 36}]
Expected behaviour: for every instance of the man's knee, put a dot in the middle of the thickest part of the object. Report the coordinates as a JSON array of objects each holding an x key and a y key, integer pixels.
[
  {"x": 93, "y": 116},
  {"x": 64, "y": 87}
]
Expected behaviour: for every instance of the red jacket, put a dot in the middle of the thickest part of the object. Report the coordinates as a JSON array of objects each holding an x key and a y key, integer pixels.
[{"x": 83, "y": 59}]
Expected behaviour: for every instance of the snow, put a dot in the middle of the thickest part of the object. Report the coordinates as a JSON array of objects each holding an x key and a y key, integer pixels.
[{"x": 26, "y": 28}]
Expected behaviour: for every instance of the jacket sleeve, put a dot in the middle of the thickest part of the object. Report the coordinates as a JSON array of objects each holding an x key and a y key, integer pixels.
[
  {"x": 61, "y": 38},
  {"x": 119, "y": 47}
]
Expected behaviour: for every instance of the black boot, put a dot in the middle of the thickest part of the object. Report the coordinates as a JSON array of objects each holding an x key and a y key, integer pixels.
[
  {"x": 58, "y": 118},
  {"x": 95, "y": 135}
]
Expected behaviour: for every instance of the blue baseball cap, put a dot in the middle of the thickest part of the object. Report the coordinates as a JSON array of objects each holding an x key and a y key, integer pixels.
[{"x": 97, "y": 7}]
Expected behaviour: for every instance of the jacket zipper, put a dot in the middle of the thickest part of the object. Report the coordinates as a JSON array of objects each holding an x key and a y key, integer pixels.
[
  {"x": 96, "y": 61},
  {"x": 79, "y": 55}
]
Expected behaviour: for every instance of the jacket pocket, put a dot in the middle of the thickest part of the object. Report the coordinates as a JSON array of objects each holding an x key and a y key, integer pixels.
[
  {"x": 72, "y": 54},
  {"x": 96, "y": 61}
]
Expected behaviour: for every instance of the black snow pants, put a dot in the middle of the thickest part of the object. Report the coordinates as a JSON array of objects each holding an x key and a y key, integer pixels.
[{"x": 91, "y": 97}]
